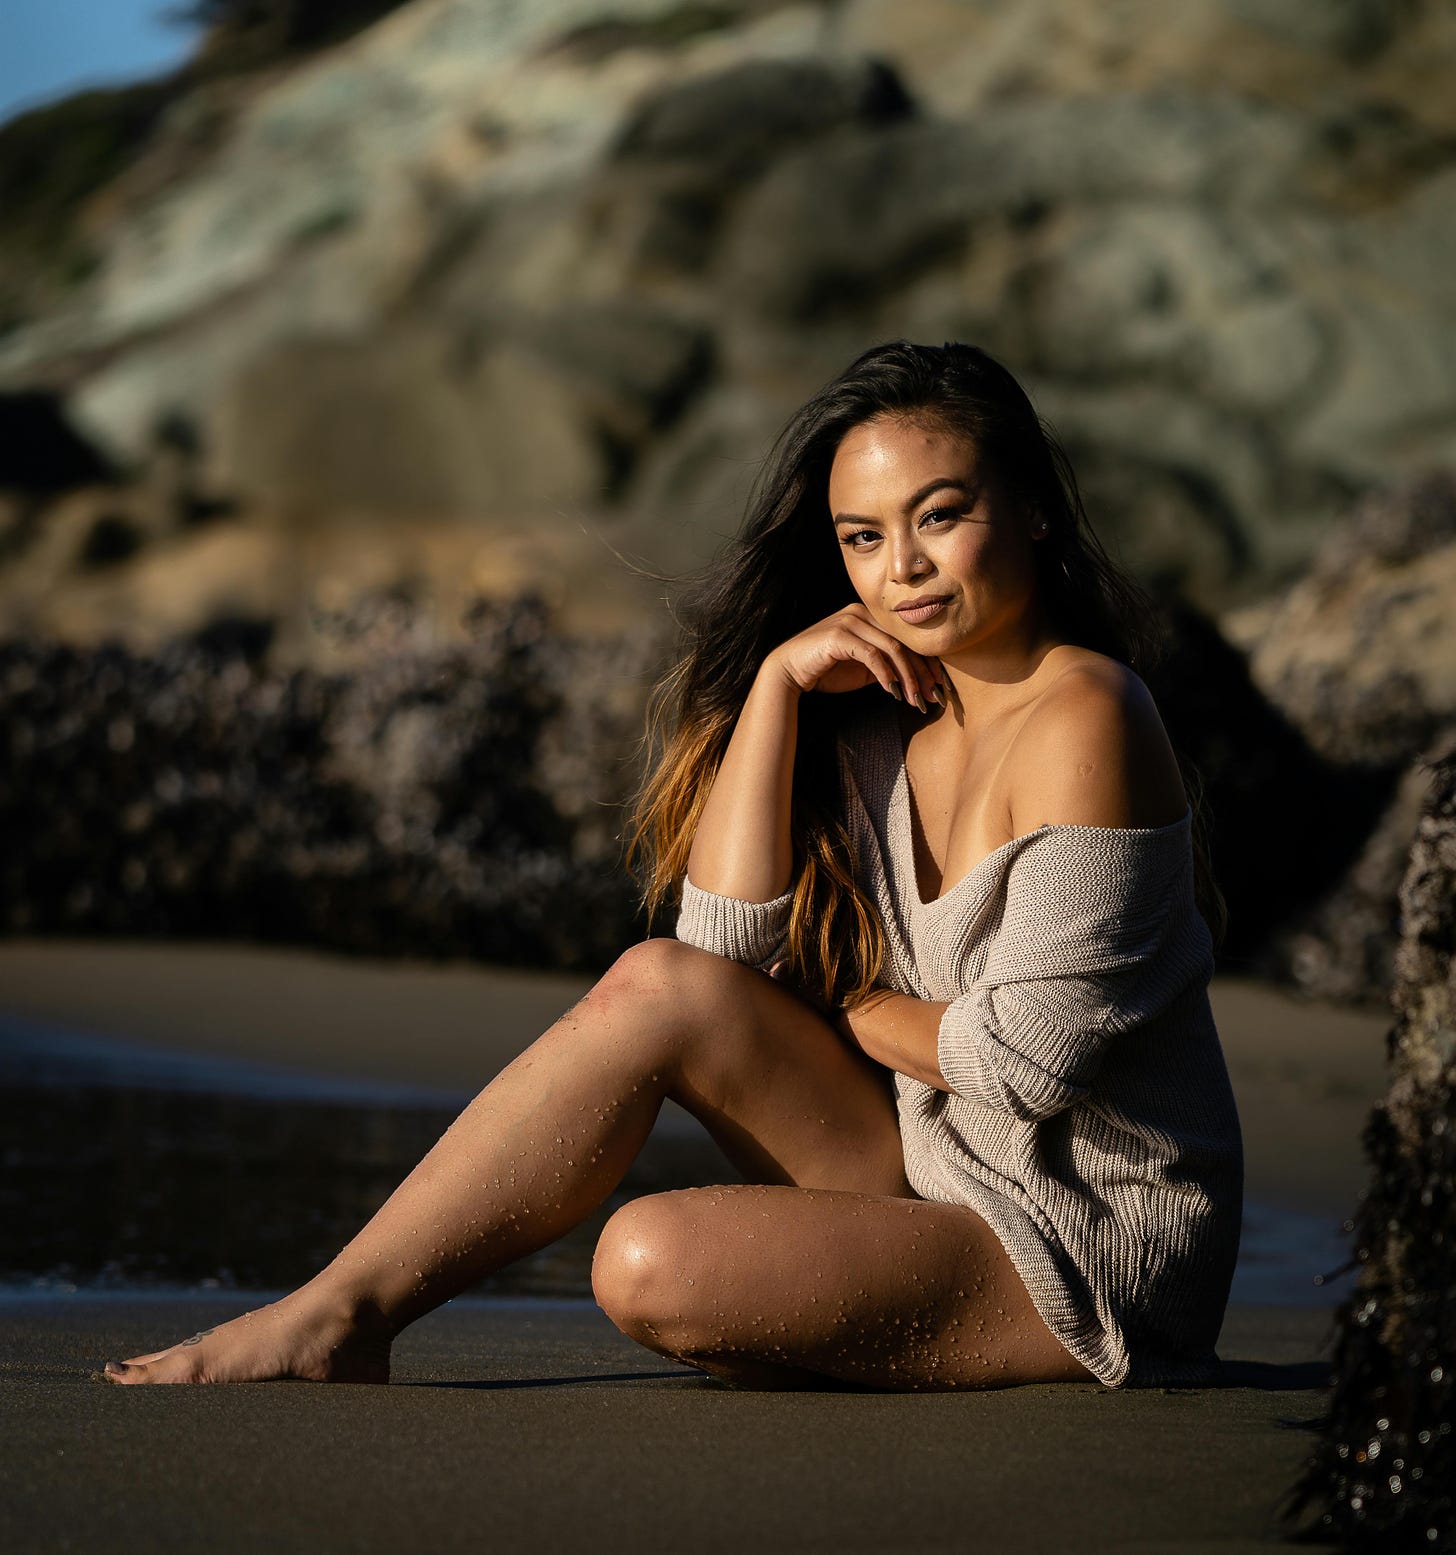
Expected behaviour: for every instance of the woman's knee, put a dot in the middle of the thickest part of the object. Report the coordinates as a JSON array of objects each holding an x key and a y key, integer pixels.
[
  {"x": 644, "y": 1270},
  {"x": 669, "y": 987},
  {"x": 669, "y": 970}
]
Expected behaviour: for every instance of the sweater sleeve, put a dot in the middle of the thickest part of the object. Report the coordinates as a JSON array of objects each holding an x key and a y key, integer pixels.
[
  {"x": 1089, "y": 918},
  {"x": 752, "y": 932}
]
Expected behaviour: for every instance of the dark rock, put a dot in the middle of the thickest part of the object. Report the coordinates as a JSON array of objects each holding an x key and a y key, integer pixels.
[
  {"x": 732, "y": 125},
  {"x": 401, "y": 808},
  {"x": 41, "y": 452},
  {"x": 1360, "y": 656},
  {"x": 1284, "y": 824},
  {"x": 248, "y": 33},
  {"x": 687, "y": 149},
  {"x": 1383, "y": 1474},
  {"x": 112, "y": 538},
  {"x": 235, "y": 637},
  {"x": 1343, "y": 949}
]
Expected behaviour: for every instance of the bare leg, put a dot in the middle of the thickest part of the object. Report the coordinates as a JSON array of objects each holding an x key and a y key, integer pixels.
[
  {"x": 546, "y": 1142},
  {"x": 776, "y": 1287}
]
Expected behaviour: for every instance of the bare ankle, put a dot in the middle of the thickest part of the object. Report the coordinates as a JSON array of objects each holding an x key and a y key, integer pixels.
[{"x": 337, "y": 1303}]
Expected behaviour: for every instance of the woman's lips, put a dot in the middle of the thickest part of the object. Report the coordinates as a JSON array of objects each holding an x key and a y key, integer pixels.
[{"x": 922, "y": 610}]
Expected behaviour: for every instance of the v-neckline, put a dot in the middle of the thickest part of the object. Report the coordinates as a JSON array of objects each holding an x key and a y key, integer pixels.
[{"x": 900, "y": 793}]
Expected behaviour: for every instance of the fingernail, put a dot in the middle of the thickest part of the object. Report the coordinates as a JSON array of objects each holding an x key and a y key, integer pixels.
[
  {"x": 895, "y": 691},
  {"x": 116, "y": 1367}
]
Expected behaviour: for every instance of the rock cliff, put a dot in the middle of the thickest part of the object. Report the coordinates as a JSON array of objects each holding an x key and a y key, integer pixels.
[{"x": 490, "y": 269}]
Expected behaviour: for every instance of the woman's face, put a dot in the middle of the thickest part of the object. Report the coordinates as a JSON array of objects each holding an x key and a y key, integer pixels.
[{"x": 920, "y": 519}]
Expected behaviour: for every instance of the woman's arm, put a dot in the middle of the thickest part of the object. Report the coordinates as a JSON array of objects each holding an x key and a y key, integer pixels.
[
  {"x": 900, "y": 1032},
  {"x": 742, "y": 848}
]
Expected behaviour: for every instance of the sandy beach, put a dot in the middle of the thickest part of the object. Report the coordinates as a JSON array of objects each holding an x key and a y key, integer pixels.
[{"x": 535, "y": 1424}]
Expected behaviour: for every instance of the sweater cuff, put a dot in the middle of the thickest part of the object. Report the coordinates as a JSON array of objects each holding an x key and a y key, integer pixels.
[
  {"x": 981, "y": 1048},
  {"x": 751, "y": 932}
]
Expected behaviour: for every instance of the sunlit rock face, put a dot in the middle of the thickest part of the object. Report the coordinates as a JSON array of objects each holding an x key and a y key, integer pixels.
[
  {"x": 1383, "y": 1473},
  {"x": 488, "y": 261},
  {"x": 1360, "y": 657}
]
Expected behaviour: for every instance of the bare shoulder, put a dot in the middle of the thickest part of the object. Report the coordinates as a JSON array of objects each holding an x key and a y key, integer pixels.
[{"x": 1093, "y": 752}]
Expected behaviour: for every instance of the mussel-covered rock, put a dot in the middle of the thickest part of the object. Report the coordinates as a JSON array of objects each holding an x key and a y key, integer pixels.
[
  {"x": 1384, "y": 1473},
  {"x": 421, "y": 803}
]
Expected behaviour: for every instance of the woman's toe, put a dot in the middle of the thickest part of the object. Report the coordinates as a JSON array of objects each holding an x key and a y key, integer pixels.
[{"x": 163, "y": 1367}]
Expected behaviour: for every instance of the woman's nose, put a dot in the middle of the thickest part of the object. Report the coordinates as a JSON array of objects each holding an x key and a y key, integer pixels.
[{"x": 907, "y": 560}]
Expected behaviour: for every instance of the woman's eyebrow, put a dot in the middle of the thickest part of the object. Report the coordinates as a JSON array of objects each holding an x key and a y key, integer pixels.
[{"x": 912, "y": 502}]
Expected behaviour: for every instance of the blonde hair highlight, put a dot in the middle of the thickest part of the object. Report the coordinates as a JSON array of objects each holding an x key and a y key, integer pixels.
[{"x": 835, "y": 946}]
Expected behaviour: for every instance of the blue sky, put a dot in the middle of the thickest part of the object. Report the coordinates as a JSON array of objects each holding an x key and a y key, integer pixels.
[{"x": 49, "y": 48}]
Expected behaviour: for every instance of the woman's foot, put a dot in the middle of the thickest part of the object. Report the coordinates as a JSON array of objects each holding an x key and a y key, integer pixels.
[{"x": 294, "y": 1337}]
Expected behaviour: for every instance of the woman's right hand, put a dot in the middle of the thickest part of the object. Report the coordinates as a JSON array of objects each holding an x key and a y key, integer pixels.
[{"x": 847, "y": 651}]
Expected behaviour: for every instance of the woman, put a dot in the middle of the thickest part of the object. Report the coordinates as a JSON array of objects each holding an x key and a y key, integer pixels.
[{"x": 979, "y": 1100}]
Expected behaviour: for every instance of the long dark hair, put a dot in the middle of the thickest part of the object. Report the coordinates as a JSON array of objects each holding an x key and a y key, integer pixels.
[{"x": 783, "y": 572}]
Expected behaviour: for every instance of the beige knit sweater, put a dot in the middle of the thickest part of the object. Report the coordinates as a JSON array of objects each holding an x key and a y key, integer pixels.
[{"x": 1090, "y": 1120}]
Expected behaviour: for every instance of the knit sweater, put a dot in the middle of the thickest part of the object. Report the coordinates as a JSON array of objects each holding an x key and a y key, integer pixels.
[{"x": 1090, "y": 1121}]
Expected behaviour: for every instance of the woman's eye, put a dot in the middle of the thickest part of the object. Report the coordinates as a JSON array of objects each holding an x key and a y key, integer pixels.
[
  {"x": 939, "y": 514},
  {"x": 859, "y": 535}
]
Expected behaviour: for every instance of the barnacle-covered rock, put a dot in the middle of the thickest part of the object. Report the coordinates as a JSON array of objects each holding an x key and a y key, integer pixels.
[{"x": 1384, "y": 1474}]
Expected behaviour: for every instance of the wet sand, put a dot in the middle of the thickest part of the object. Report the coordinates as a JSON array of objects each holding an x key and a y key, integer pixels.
[
  {"x": 526, "y": 1425},
  {"x": 541, "y": 1427}
]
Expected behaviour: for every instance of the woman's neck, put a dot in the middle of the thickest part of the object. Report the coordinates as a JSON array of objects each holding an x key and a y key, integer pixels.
[{"x": 997, "y": 677}]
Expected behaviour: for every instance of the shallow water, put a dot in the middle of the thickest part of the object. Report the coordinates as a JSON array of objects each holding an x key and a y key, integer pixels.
[{"x": 132, "y": 1167}]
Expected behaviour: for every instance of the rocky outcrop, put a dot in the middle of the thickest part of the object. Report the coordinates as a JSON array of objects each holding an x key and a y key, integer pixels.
[
  {"x": 441, "y": 802},
  {"x": 1360, "y": 657},
  {"x": 484, "y": 262},
  {"x": 1383, "y": 1474},
  {"x": 1283, "y": 824},
  {"x": 1361, "y": 653}
]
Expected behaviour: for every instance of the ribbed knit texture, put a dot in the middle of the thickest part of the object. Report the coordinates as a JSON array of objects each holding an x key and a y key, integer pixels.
[{"x": 1091, "y": 1121}]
